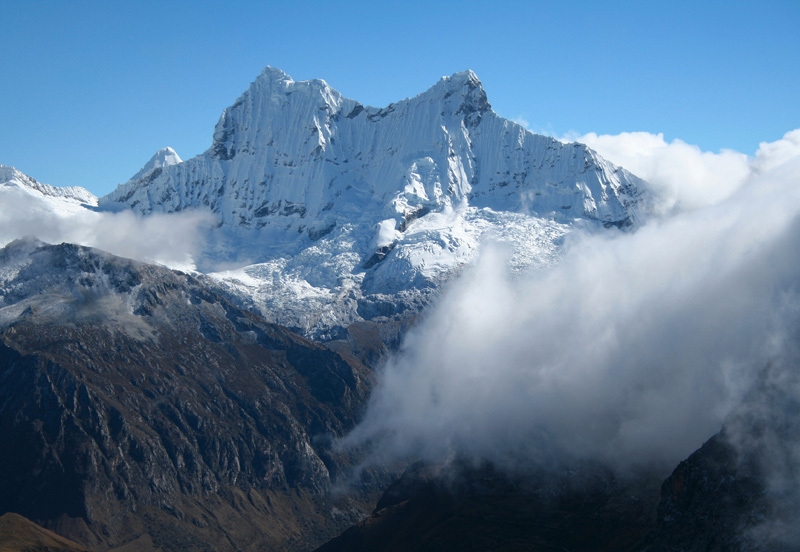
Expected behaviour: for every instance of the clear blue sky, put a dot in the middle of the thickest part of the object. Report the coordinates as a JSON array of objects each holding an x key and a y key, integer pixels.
[{"x": 91, "y": 89}]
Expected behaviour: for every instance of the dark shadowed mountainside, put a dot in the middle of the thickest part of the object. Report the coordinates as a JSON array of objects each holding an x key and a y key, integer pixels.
[
  {"x": 736, "y": 493},
  {"x": 739, "y": 491},
  {"x": 137, "y": 404},
  {"x": 449, "y": 509},
  {"x": 18, "y": 534}
]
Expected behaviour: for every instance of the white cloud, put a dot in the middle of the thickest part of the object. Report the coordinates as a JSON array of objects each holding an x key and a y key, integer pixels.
[
  {"x": 631, "y": 350},
  {"x": 773, "y": 154},
  {"x": 684, "y": 176},
  {"x": 522, "y": 121},
  {"x": 174, "y": 240}
]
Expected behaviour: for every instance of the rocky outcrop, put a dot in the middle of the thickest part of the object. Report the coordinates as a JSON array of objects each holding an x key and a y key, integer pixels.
[{"x": 740, "y": 491}]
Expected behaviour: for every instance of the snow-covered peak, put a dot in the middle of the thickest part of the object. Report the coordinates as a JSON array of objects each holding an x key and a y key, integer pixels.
[
  {"x": 461, "y": 95},
  {"x": 463, "y": 83},
  {"x": 273, "y": 74},
  {"x": 12, "y": 178},
  {"x": 164, "y": 157},
  {"x": 273, "y": 104}
]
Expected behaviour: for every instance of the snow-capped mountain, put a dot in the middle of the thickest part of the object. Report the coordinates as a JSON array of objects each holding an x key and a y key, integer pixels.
[
  {"x": 291, "y": 152},
  {"x": 326, "y": 212},
  {"x": 29, "y": 207},
  {"x": 329, "y": 211}
]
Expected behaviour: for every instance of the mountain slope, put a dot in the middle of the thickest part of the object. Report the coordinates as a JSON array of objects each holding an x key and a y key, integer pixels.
[
  {"x": 466, "y": 508},
  {"x": 739, "y": 491},
  {"x": 333, "y": 212},
  {"x": 18, "y": 534},
  {"x": 134, "y": 402}
]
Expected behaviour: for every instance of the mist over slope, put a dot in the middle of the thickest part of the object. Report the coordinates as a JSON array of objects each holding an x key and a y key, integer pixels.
[
  {"x": 630, "y": 351},
  {"x": 56, "y": 215}
]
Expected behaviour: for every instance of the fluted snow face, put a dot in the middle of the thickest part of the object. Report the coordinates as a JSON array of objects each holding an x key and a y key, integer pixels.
[
  {"x": 299, "y": 154},
  {"x": 377, "y": 200}
]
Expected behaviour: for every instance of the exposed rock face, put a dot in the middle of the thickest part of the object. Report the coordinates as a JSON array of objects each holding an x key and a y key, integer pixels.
[
  {"x": 134, "y": 401},
  {"x": 707, "y": 502}
]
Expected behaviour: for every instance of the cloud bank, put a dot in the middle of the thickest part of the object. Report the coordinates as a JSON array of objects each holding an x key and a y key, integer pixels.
[
  {"x": 174, "y": 240},
  {"x": 630, "y": 352}
]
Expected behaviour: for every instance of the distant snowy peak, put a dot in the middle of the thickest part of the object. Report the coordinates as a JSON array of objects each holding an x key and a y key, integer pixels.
[
  {"x": 12, "y": 178},
  {"x": 164, "y": 157}
]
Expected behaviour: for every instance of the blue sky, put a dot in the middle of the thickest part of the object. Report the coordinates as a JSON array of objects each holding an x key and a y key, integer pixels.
[{"x": 91, "y": 89}]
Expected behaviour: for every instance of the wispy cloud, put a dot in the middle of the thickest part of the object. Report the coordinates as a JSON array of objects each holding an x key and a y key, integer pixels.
[{"x": 522, "y": 121}]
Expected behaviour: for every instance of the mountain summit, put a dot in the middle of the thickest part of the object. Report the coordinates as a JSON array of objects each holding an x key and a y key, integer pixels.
[
  {"x": 300, "y": 150},
  {"x": 335, "y": 210},
  {"x": 162, "y": 158}
]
